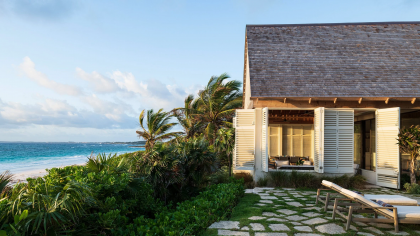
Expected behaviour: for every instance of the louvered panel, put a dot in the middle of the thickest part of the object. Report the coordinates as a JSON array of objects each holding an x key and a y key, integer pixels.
[
  {"x": 244, "y": 140},
  {"x": 319, "y": 140},
  {"x": 330, "y": 150},
  {"x": 264, "y": 141},
  {"x": 387, "y": 151}
]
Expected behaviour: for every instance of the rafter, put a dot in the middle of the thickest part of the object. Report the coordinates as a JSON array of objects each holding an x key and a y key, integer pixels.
[
  {"x": 360, "y": 100},
  {"x": 386, "y": 101},
  {"x": 335, "y": 100},
  {"x": 413, "y": 100}
]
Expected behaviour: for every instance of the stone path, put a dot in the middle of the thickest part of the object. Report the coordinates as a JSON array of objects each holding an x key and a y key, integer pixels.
[{"x": 292, "y": 212}]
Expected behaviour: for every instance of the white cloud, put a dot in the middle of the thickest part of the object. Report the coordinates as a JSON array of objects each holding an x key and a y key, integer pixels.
[
  {"x": 28, "y": 67},
  {"x": 98, "y": 82}
]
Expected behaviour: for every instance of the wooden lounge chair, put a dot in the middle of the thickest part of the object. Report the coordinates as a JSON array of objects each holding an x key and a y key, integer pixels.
[
  {"x": 390, "y": 199},
  {"x": 359, "y": 204}
]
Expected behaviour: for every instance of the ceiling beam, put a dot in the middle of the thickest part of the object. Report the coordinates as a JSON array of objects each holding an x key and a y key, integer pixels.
[
  {"x": 386, "y": 101},
  {"x": 413, "y": 100},
  {"x": 360, "y": 100},
  {"x": 335, "y": 100}
]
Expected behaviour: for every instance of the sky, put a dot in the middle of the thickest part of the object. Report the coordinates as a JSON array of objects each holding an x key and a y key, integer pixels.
[{"x": 74, "y": 70}]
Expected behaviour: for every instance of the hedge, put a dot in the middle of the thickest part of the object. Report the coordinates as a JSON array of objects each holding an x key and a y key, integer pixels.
[{"x": 191, "y": 216}]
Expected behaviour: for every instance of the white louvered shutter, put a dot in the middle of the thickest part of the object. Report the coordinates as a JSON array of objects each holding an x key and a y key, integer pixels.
[
  {"x": 264, "y": 142},
  {"x": 319, "y": 140},
  {"x": 338, "y": 141},
  {"x": 244, "y": 139},
  {"x": 387, "y": 150}
]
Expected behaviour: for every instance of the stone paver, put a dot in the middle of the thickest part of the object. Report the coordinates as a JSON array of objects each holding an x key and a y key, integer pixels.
[
  {"x": 287, "y": 211},
  {"x": 306, "y": 234},
  {"x": 295, "y": 223},
  {"x": 256, "y": 218},
  {"x": 230, "y": 232},
  {"x": 266, "y": 201},
  {"x": 375, "y": 230},
  {"x": 245, "y": 228},
  {"x": 365, "y": 234},
  {"x": 399, "y": 233},
  {"x": 270, "y": 234},
  {"x": 270, "y": 214},
  {"x": 257, "y": 226},
  {"x": 268, "y": 197},
  {"x": 303, "y": 228},
  {"x": 314, "y": 221},
  {"x": 330, "y": 229},
  {"x": 296, "y": 204},
  {"x": 296, "y": 218},
  {"x": 360, "y": 223},
  {"x": 280, "y": 194},
  {"x": 264, "y": 194},
  {"x": 277, "y": 219},
  {"x": 311, "y": 214},
  {"x": 261, "y": 204},
  {"x": 225, "y": 225},
  {"x": 249, "y": 190},
  {"x": 278, "y": 227}
]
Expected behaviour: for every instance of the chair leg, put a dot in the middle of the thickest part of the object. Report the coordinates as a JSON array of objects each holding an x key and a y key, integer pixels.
[
  {"x": 396, "y": 220},
  {"x": 327, "y": 200},
  {"x": 335, "y": 208},
  {"x": 317, "y": 195},
  {"x": 376, "y": 215},
  {"x": 349, "y": 217}
]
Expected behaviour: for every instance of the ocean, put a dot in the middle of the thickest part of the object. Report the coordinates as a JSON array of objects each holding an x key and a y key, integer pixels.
[{"x": 27, "y": 156}]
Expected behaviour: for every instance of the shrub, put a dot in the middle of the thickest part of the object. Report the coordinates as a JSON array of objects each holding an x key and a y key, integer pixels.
[
  {"x": 191, "y": 216},
  {"x": 296, "y": 179},
  {"x": 247, "y": 177},
  {"x": 412, "y": 188}
]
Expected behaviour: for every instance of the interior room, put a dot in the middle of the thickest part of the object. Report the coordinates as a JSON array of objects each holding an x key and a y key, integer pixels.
[{"x": 291, "y": 139}]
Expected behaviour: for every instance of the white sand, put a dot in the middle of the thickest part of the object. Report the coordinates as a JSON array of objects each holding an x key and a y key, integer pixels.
[{"x": 22, "y": 176}]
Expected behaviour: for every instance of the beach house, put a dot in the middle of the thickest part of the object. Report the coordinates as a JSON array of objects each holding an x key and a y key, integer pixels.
[{"x": 328, "y": 99}]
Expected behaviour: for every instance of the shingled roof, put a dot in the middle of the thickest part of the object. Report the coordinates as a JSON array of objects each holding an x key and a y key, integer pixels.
[{"x": 334, "y": 60}]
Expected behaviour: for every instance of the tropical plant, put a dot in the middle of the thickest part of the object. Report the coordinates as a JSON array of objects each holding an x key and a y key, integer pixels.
[
  {"x": 185, "y": 116},
  {"x": 224, "y": 145},
  {"x": 216, "y": 104},
  {"x": 409, "y": 142},
  {"x": 5, "y": 179},
  {"x": 158, "y": 124}
]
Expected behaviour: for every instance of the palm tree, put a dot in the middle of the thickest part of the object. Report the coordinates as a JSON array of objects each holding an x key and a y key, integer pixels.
[
  {"x": 224, "y": 145},
  {"x": 158, "y": 124},
  {"x": 217, "y": 103},
  {"x": 185, "y": 116},
  {"x": 409, "y": 142}
]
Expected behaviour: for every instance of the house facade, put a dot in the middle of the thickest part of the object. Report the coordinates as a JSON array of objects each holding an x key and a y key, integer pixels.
[{"x": 333, "y": 95}]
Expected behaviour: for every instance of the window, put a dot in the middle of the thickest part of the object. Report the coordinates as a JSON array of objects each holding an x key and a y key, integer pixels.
[{"x": 291, "y": 140}]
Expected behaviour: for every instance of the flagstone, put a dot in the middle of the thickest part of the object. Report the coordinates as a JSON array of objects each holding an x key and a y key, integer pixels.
[
  {"x": 245, "y": 228},
  {"x": 303, "y": 228},
  {"x": 375, "y": 230},
  {"x": 277, "y": 219},
  {"x": 225, "y": 225},
  {"x": 287, "y": 211},
  {"x": 311, "y": 214},
  {"x": 268, "y": 197},
  {"x": 257, "y": 226},
  {"x": 313, "y": 208},
  {"x": 249, "y": 190},
  {"x": 230, "y": 232},
  {"x": 296, "y": 218},
  {"x": 278, "y": 227},
  {"x": 264, "y": 194},
  {"x": 269, "y": 214},
  {"x": 261, "y": 204},
  {"x": 288, "y": 189},
  {"x": 280, "y": 194},
  {"x": 314, "y": 221},
  {"x": 306, "y": 234},
  {"x": 352, "y": 227},
  {"x": 365, "y": 234},
  {"x": 295, "y": 223},
  {"x": 399, "y": 233},
  {"x": 360, "y": 223},
  {"x": 330, "y": 229},
  {"x": 296, "y": 204},
  {"x": 256, "y": 218},
  {"x": 270, "y": 234},
  {"x": 266, "y": 201}
]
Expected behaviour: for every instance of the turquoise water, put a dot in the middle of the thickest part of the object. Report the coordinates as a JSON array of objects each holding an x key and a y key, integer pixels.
[{"x": 21, "y": 157}]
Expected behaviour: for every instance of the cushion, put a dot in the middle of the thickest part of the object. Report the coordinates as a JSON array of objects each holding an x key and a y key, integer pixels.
[
  {"x": 331, "y": 185},
  {"x": 411, "y": 212},
  {"x": 392, "y": 199},
  {"x": 282, "y": 163},
  {"x": 307, "y": 163},
  {"x": 364, "y": 200}
]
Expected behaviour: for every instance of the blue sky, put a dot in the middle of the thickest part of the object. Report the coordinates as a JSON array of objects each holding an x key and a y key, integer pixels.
[{"x": 83, "y": 70}]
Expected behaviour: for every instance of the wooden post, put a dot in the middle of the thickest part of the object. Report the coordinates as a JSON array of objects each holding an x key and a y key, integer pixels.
[
  {"x": 375, "y": 214},
  {"x": 396, "y": 220},
  {"x": 335, "y": 208},
  {"x": 349, "y": 217},
  {"x": 327, "y": 200},
  {"x": 317, "y": 195}
]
